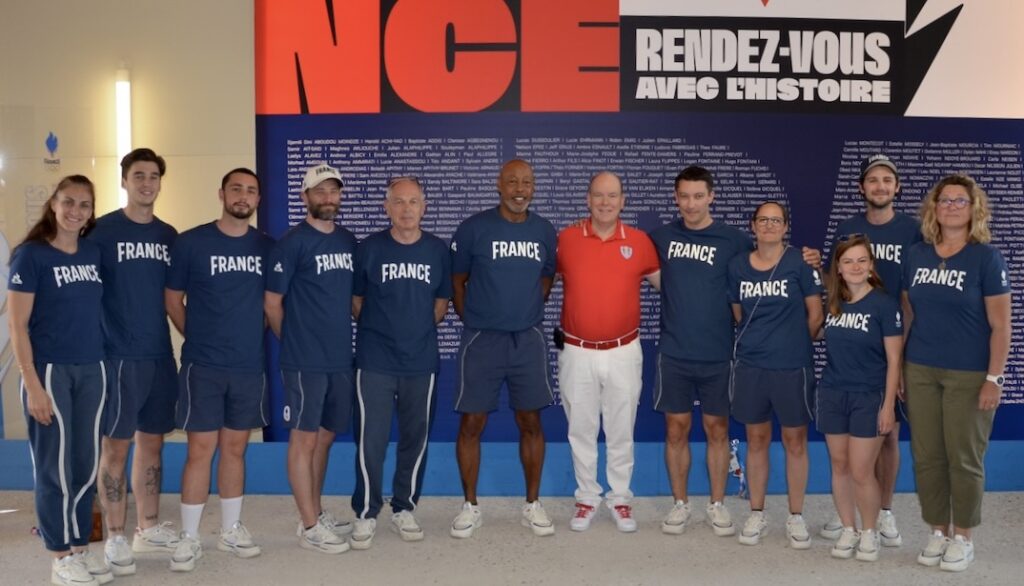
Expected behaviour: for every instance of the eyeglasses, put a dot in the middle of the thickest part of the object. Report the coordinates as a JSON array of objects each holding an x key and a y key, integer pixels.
[
  {"x": 766, "y": 220},
  {"x": 957, "y": 203}
]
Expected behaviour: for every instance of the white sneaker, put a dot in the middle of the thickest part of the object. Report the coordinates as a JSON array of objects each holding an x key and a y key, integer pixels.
[
  {"x": 755, "y": 527},
  {"x": 188, "y": 552},
  {"x": 867, "y": 550},
  {"x": 467, "y": 521},
  {"x": 887, "y": 529},
  {"x": 96, "y": 566},
  {"x": 536, "y": 518},
  {"x": 320, "y": 538},
  {"x": 676, "y": 519},
  {"x": 238, "y": 541},
  {"x": 796, "y": 530},
  {"x": 932, "y": 553},
  {"x": 958, "y": 556},
  {"x": 362, "y": 533},
  {"x": 404, "y": 523},
  {"x": 833, "y": 529},
  {"x": 339, "y": 527},
  {"x": 119, "y": 556},
  {"x": 846, "y": 545},
  {"x": 720, "y": 519},
  {"x": 70, "y": 571},
  {"x": 156, "y": 539},
  {"x": 582, "y": 517}
]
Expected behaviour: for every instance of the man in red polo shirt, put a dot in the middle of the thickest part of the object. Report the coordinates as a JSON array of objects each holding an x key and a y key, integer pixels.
[{"x": 602, "y": 262}]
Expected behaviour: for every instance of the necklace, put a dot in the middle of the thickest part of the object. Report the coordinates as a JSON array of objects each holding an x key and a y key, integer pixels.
[{"x": 943, "y": 259}]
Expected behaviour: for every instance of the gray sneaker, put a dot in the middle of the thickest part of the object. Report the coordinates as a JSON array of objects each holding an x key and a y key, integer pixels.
[
  {"x": 754, "y": 528},
  {"x": 238, "y": 541},
  {"x": 362, "y": 533},
  {"x": 887, "y": 529},
  {"x": 119, "y": 556},
  {"x": 796, "y": 530},
  {"x": 188, "y": 552},
  {"x": 676, "y": 519},
  {"x": 720, "y": 519},
  {"x": 933, "y": 551},
  {"x": 846, "y": 545},
  {"x": 467, "y": 521},
  {"x": 833, "y": 529},
  {"x": 867, "y": 550},
  {"x": 320, "y": 538},
  {"x": 404, "y": 523},
  {"x": 959, "y": 554}
]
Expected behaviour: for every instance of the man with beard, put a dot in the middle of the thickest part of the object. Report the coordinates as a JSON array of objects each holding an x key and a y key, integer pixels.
[
  {"x": 308, "y": 299},
  {"x": 891, "y": 234},
  {"x": 222, "y": 390}
]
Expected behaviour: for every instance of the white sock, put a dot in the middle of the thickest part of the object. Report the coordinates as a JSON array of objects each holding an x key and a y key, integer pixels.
[
  {"x": 190, "y": 517},
  {"x": 230, "y": 512}
]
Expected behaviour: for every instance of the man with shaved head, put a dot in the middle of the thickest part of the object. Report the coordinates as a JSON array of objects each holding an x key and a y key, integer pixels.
[{"x": 503, "y": 264}]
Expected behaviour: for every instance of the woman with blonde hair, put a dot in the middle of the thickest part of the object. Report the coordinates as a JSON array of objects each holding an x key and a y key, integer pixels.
[
  {"x": 956, "y": 301},
  {"x": 863, "y": 339}
]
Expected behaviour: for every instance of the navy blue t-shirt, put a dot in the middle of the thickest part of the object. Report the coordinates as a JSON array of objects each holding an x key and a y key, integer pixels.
[
  {"x": 399, "y": 283},
  {"x": 890, "y": 243},
  {"x": 314, "y": 271},
  {"x": 505, "y": 262},
  {"x": 696, "y": 319},
  {"x": 773, "y": 336},
  {"x": 223, "y": 278},
  {"x": 64, "y": 327},
  {"x": 135, "y": 261},
  {"x": 950, "y": 327},
  {"x": 854, "y": 342}
]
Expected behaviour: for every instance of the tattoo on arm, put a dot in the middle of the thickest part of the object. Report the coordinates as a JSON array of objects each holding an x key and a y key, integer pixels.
[
  {"x": 113, "y": 488},
  {"x": 153, "y": 476}
]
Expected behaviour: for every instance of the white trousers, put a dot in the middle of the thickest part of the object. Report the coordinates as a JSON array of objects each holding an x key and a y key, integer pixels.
[{"x": 601, "y": 385}]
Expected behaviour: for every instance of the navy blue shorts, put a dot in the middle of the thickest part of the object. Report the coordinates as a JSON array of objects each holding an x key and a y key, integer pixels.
[
  {"x": 140, "y": 397},
  {"x": 847, "y": 412},
  {"x": 678, "y": 383},
  {"x": 489, "y": 358},
  {"x": 759, "y": 392},
  {"x": 317, "y": 399},
  {"x": 211, "y": 398}
]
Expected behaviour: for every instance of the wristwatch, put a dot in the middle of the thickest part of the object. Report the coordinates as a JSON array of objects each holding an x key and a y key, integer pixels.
[{"x": 996, "y": 378}]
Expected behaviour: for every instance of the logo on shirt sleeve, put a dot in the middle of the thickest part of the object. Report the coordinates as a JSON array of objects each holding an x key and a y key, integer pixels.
[
  {"x": 278, "y": 268},
  {"x": 627, "y": 251},
  {"x": 16, "y": 279},
  {"x": 455, "y": 246},
  {"x": 817, "y": 278},
  {"x": 1002, "y": 276},
  {"x": 899, "y": 320}
]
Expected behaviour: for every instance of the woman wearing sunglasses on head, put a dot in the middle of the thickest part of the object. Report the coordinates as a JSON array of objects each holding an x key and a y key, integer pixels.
[
  {"x": 54, "y": 309},
  {"x": 956, "y": 301},
  {"x": 863, "y": 340},
  {"x": 776, "y": 300}
]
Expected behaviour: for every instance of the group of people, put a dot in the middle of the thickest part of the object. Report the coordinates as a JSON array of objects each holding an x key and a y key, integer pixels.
[{"x": 915, "y": 310}]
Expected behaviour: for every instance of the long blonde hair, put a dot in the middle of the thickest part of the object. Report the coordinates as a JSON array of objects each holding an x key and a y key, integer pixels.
[{"x": 980, "y": 212}]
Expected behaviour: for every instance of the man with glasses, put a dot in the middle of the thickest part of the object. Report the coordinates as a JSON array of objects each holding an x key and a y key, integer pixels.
[
  {"x": 891, "y": 234},
  {"x": 401, "y": 292}
]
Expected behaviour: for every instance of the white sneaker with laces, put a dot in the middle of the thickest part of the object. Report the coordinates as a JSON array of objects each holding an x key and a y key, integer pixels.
[
  {"x": 536, "y": 518},
  {"x": 846, "y": 545},
  {"x": 70, "y": 570},
  {"x": 833, "y": 529},
  {"x": 159, "y": 538},
  {"x": 582, "y": 517},
  {"x": 467, "y": 521},
  {"x": 676, "y": 519},
  {"x": 796, "y": 530},
  {"x": 622, "y": 512},
  {"x": 867, "y": 550},
  {"x": 754, "y": 528},
  {"x": 339, "y": 527},
  {"x": 362, "y": 533},
  {"x": 119, "y": 556},
  {"x": 887, "y": 530},
  {"x": 320, "y": 538},
  {"x": 720, "y": 519},
  {"x": 188, "y": 552},
  {"x": 958, "y": 555},
  {"x": 96, "y": 566},
  {"x": 932, "y": 553},
  {"x": 404, "y": 523},
  {"x": 238, "y": 541}
]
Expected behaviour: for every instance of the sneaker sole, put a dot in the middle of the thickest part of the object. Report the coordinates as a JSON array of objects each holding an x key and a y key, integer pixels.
[
  {"x": 724, "y": 531},
  {"x": 242, "y": 552},
  {"x": 539, "y": 530},
  {"x": 104, "y": 578},
  {"x": 931, "y": 562},
  {"x": 795, "y": 544},
  {"x": 330, "y": 549},
  {"x": 750, "y": 540},
  {"x": 842, "y": 554},
  {"x": 186, "y": 566},
  {"x": 147, "y": 548},
  {"x": 579, "y": 528},
  {"x": 830, "y": 534},
  {"x": 867, "y": 556},
  {"x": 954, "y": 566},
  {"x": 360, "y": 545},
  {"x": 669, "y": 529},
  {"x": 120, "y": 570},
  {"x": 891, "y": 541},
  {"x": 408, "y": 535}
]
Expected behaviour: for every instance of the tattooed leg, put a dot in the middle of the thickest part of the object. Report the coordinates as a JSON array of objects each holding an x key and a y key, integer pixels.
[
  {"x": 147, "y": 474},
  {"x": 113, "y": 454}
]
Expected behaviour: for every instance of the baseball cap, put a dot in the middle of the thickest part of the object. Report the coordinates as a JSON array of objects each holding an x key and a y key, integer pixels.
[
  {"x": 318, "y": 174},
  {"x": 876, "y": 161}
]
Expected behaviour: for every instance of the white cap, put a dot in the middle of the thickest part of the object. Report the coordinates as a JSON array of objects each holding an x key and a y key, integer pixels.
[{"x": 318, "y": 174}]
